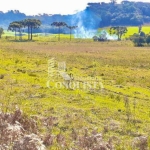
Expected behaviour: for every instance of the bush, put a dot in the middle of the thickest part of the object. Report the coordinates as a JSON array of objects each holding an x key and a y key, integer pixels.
[
  {"x": 148, "y": 39},
  {"x": 138, "y": 40}
]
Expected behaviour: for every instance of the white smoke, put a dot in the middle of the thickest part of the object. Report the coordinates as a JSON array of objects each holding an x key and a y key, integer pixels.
[
  {"x": 86, "y": 22},
  {"x": 84, "y": 33},
  {"x": 105, "y": 35}
]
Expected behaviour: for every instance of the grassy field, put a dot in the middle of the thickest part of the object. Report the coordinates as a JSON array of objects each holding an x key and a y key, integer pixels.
[
  {"x": 120, "y": 111},
  {"x": 132, "y": 30},
  {"x": 45, "y": 37}
]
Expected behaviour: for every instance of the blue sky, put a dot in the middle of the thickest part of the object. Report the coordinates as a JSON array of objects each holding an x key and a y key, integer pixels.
[{"x": 33, "y": 7}]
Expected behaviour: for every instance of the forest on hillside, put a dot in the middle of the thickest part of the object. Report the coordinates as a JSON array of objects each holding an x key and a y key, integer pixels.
[
  {"x": 126, "y": 13},
  {"x": 94, "y": 16}
]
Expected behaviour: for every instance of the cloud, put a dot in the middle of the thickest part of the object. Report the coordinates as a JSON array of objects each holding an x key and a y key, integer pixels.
[{"x": 33, "y": 7}]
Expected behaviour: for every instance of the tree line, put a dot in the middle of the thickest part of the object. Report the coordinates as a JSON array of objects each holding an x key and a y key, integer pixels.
[
  {"x": 63, "y": 24},
  {"x": 31, "y": 24},
  {"x": 18, "y": 26},
  {"x": 126, "y": 13}
]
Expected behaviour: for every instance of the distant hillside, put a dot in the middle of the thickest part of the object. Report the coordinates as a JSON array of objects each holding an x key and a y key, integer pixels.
[
  {"x": 96, "y": 15},
  {"x": 127, "y": 13},
  {"x": 86, "y": 19}
]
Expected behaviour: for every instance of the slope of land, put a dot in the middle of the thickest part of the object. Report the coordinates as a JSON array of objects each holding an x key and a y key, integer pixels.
[{"x": 121, "y": 110}]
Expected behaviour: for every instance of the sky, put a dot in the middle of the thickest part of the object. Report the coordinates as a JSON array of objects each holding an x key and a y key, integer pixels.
[{"x": 35, "y": 7}]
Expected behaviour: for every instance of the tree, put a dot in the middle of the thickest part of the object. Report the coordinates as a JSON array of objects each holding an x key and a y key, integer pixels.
[
  {"x": 141, "y": 33},
  {"x": 26, "y": 23},
  {"x": 31, "y": 24},
  {"x": 1, "y": 32},
  {"x": 140, "y": 29},
  {"x": 20, "y": 26},
  {"x": 71, "y": 28},
  {"x": 16, "y": 26},
  {"x": 59, "y": 25},
  {"x": 119, "y": 31}
]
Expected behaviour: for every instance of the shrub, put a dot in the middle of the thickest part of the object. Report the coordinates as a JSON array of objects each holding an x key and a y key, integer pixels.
[
  {"x": 148, "y": 39},
  {"x": 138, "y": 40}
]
